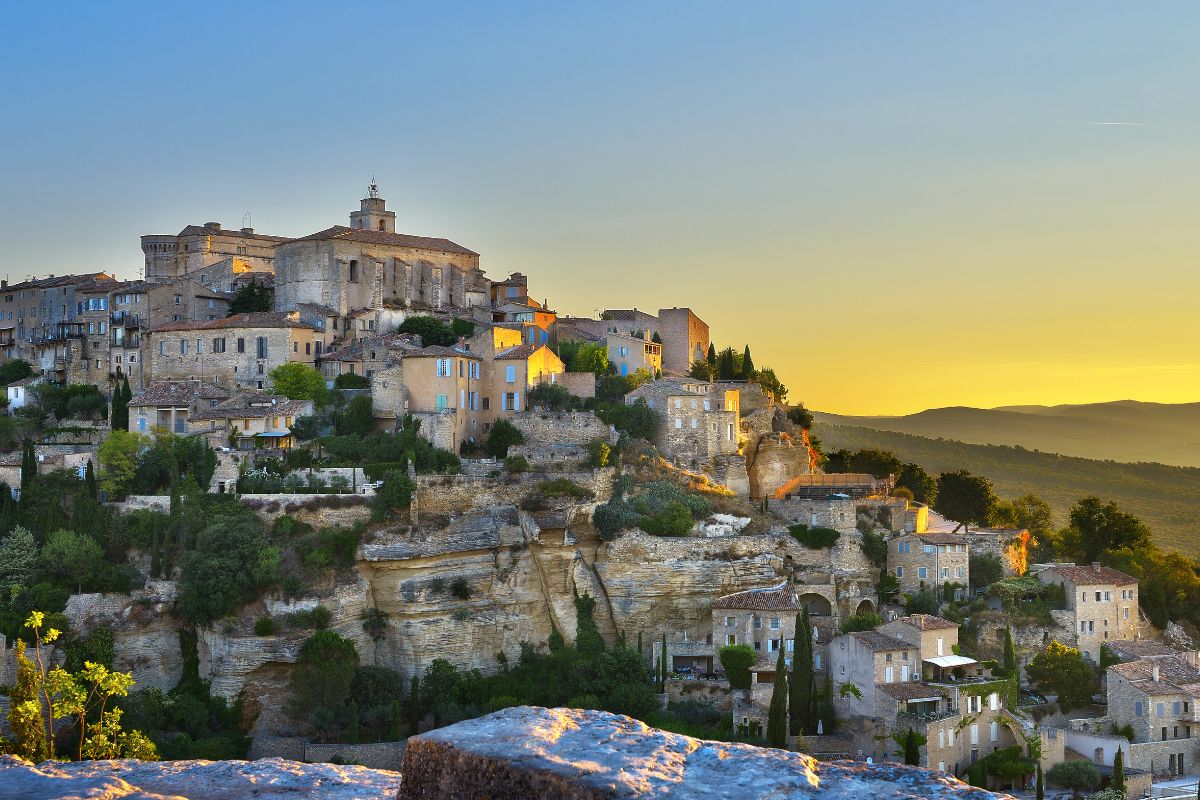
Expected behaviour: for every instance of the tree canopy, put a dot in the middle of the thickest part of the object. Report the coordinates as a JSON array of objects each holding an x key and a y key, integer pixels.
[
  {"x": 298, "y": 381},
  {"x": 965, "y": 498},
  {"x": 1062, "y": 671}
]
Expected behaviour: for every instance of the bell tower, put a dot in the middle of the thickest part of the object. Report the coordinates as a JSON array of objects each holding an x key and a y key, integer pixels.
[{"x": 372, "y": 215}]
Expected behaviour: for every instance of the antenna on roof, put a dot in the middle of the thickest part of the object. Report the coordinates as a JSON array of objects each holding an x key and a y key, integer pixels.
[{"x": 372, "y": 190}]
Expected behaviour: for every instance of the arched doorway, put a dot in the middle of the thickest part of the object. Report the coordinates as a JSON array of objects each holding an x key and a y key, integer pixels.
[
  {"x": 817, "y": 605},
  {"x": 865, "y": 607}
]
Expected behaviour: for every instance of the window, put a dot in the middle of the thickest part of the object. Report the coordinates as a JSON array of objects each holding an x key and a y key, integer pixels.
[
  {"x": 994, "y": 731},
  {"x": 922, "y": 573},
  {"x": 510, "y": 374},
  {"x": 475, "y": 369},
  {"x": 889, "y": 675},
  {"x": 929, "y": 548},
  {"x": 295, "y": 347},
  {"x": 962, "y": 572},
  {"x": 178, "y": 299},
  {"x": 487, "y": 403},
  {"x": 308, "y": 348},
  {"x": 443, "y": 368},
  {"x": 162, "y": 348},
  {"x": 1108, "y": 597},
  {"x": 183, "y": 347},
  {"x": 510, "y": 401},
  {"x": 212, "y": 303},
  {"x": 199, "y": 346},
  {"x": 695, "y": 423},
  {"x": 941, "y": 643},
  {"x": 899, "y": 572},
  {"x": 903, "y": 547},
  {"x": 1137, "y": 709},
  {"x": 1175, "y": 706},
  {"x": 441, "y": 402},
  {"x": 1097, "y": 597},
  {"x": 816, "y": 660},
  {"x": 353, "y": 271},
  {"x": 730, "y": 622},
  {"x": 241, "y": 345},
  {"x": 1160, "y": 709},
  {"x": 218, "y": 345},
  {"x": 262, "y": 347},
  {"x": 1125, "y": 613},
  {"x": 774, "y": 623},
  {"x": 731, "y": 638},
  {"x": 678, "y": 423}
]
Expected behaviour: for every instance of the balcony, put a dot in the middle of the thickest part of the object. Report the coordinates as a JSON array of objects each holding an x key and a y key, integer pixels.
[
  {"x": 128, "y": 342},
  {"x": 126, "y": 319}
]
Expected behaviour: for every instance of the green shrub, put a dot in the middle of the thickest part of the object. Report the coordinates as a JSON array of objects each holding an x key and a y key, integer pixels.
[
  {"x": 736, "y": 660},
  {"x": 672, "y": 520},
  {"x": 502, "y": 436},
  {"x": 310, "y": 619},
  {"x": 598, "y": 452},
  {"x": 516, "y": 464},
  {"x": 264, "y": 626},
  {"x": 563, "y": 487},
  {"x": 613, "y": 517},
  {"x": 460, "y": 588},
  {"x": 862, "y": 621},
  {"x": 348, "y": 380},
  {"x": 814, "y": 538}
]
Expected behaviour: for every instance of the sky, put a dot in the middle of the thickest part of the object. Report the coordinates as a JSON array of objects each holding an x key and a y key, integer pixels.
[{"x": 898, "y": 206}]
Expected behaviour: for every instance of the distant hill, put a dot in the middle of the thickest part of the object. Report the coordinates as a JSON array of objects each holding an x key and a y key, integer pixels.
[
  {"x": 1166, "y": 497},
  {"x": 1125, "y": 430}
]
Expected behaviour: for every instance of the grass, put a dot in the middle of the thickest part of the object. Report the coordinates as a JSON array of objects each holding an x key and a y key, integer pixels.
[{"x": 1166, "y": 498}]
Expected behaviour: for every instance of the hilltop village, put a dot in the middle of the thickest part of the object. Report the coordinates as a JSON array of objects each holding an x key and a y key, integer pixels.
[{"x": 317, "y": 494}]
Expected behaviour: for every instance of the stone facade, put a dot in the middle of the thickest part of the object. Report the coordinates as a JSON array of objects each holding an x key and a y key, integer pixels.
[
  {"x": 685, "y": 338},
  {"x": 698, "y": 421},
  {"x": 198, "y": 247},
  {"x": 627, "y": 354},
  {"x": 238, "y": 351},
  {"x": 1104, "y": 602},
  {"x": 1157, "y": 698},
  {"x": 929, "y": 561}
]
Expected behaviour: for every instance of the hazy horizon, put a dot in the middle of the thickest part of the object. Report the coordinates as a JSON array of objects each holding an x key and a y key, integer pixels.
[{"x": 898, "y": 207}]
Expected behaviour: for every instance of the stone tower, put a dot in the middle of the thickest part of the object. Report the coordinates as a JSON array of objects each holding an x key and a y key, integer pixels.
[{"x": 371, "y": 214}]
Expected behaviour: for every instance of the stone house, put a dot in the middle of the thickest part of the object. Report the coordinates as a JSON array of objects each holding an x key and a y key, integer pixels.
[
  {"x": 627, "y": 354},
  {"x": 685, "y": 337},
  {"x": 905, "y": 684},
  {"x": 1157, "y": 698},
  {"x": 698, "y": 421},
  {"x": 18, "y": 392},
  {"x": 237, "y": 351},
  {"x": 41, "y": 310},
  {"x": 1103, "y": 602},
  {"x": 443, "y": 389},
  {"x": 248, "y": 421},
  {"x": 930, "y": 561},
  {"x": 167, "y": 405}
]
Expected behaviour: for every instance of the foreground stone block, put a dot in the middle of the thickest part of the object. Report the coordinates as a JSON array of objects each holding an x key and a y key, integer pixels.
[
  {"x": 561, "y": 754},
  {"x": 192, "y": 780}
]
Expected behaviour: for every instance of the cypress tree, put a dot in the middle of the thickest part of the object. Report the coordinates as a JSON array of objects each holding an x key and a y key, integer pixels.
[
  {"x": 394, "y": 733},
  {"x": 777, "y": 718},
  {"x": 1040, "y": 793},
  {"x": 712, "y": 356},
  {"x": 1010, "y": 654},
  {"x": 89, "y": 482},
  {"x": 912, "y": 750},
  {"x": 28, "y": 466},
  {"x": 352, "y": 722},
  {"x": 801, "y": 686},
  {"x": 414, "y": 708},
  {"x": 725, "y": 365},
  {"x": 641, "y": 651},
  {"x": 662, "y": 666},
  {"x": 747, "y": 364},
  {"x": 1118, "y": 776}
]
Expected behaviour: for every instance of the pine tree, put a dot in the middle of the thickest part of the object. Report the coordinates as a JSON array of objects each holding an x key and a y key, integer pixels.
[
  {"x": 352, "y": 722},
  {"x": 801, "y": 686},
  {"x": 1010, "y": 654},
  {"x": 912, "y": 750},
  {"x": 1118, "y": 775},
  {"x": 1040, "y": 793},
  {"x": 89, "y": 482},
  {"x": 747, "y": 364},
  {"x": 777, "y": 719},
  {"x": 414, "y": 708}
]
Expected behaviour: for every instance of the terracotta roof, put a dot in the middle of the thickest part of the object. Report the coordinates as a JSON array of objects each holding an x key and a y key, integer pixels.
[
  {"x": 927, "y": 622},
  {"x": 910, "y": 690},
  {"x": 1174, "y": 675},
  {"x": 386, "y": 237},
  {"x": 943, "y": 538},
  {"x": 317, "y": 309},
  {"x": 1133, "y": 649},
  {"x": 783, "y": 597},
  {"x": 438, "y": 351},
  {"x": 254, "y": 406},
  {"x": 161, "y": 393},
  {"x": 1093, "y": 575},
  {"x": 192, "y": 230},
  {"x": 518, "y": 353},
  {"x": 60, "y": 280},
  {"x": 32, "y": 379},
  {"x": 878, "y": 642},
  {"x": 262, "y": 319}
]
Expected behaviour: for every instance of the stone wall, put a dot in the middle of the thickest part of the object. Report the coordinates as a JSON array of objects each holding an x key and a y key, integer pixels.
[
  {"x": 685, "y": 338},
  {"x": 714, "y": 693},
  {"x": 376, "y": 755},
  {"x": 319, "y": 510},
  {"x": 551, "y": 428},
  {"x": 839, "y": 513},
  {"x": 451, "y": 494},
  {"x": 1157, "y": 758}
]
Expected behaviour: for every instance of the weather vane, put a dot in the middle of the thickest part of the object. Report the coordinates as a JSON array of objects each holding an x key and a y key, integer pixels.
[{"x": 373, "y": 190}]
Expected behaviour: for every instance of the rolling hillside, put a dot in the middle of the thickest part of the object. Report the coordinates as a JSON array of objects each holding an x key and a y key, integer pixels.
[
  {"x": 1166, "y": 497},
  {"x": 1125, "y": 430}
]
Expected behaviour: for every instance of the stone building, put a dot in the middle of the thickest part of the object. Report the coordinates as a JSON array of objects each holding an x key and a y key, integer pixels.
[
  {"x": 906, "y": 683},
  {"x": 167, "y": 405},
  {"x": 699, "y": 421},
  {"x": 210, "y": 254},
  {"x": 237, "y": 351},
  {"x": 442, "y": 389},
  {"x": 249, "y": 420},
  {"x": 1157, "y": 698},
  {"x": 685, "y": 338},
  {"x": 930, "y": 561},
  {"x": 1103, "y": 601},
  {"x": 44, "y": 311},
  {"x": 368, "y": 267},
  {"x": 627, "y": 354}
]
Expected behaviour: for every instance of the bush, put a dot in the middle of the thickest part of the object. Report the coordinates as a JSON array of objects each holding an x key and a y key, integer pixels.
[
  {"x": 923, "y": 602},
  {"x": 264, "y": 626},
  {"x": 862, "y": 621},
  {"x": 736, "y": 660},
  {"x": 309, "y": 619},
  {"x": 672, "y": 520},
  {"x": 502, "y": 436},
  {"x": 348, "y": 380},
  {"x": 598, "y": 452},
  {"x": 814, "y": 538},
  {"x": 516, "y": 464},
  {"x": 613, "y": 517},
  {"x": 564, "y": 487},
  {"x": 552, "y": 397},
  {"x": 460, "y": 588},
  {"x": 230, "y": 563}
]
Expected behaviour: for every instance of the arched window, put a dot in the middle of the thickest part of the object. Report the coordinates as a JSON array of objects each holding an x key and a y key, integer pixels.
[
  {"x": 353, "y": 271},
  {"x": 381, "y": 226}
]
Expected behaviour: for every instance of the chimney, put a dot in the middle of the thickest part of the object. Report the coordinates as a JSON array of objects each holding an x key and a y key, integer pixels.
[{"x": 1156, "y": 672}]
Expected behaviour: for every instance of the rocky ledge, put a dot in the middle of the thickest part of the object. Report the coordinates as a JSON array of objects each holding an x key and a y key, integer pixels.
[
  {"x": 522, "y": 753},
  {"x": 192, "y": 780},
  {"x": 568, "y": 754}
]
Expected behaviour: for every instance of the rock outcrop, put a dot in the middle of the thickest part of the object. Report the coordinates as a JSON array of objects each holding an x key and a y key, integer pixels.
[
  {"x": 192, "y": 780},
  {"x": 561, "y": 754}
]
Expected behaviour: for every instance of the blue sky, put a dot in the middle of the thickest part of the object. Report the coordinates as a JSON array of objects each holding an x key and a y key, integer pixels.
[{"x": 916, "y": 182}]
